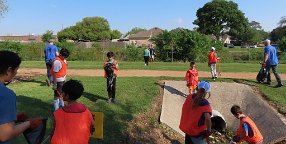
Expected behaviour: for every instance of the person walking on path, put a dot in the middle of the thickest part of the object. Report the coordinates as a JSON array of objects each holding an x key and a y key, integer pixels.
[
  {"x": 271, "y": 61},
  {"x": 110, "y": 73},
  {"x": 196, "y": 116},
  {"x": 192, "y": 78},
  {"x": 51, "y": 52},
  {"x": 213, "y": 58},
  {"x": 59, "y": 73},
  {"x": 247, "y": 130},
  {"x": 152, "y": 53},
  {"x": 146, "y": 56}
]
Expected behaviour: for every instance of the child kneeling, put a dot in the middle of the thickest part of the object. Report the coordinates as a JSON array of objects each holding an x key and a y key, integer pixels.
[{"x": 72, "y": 122}]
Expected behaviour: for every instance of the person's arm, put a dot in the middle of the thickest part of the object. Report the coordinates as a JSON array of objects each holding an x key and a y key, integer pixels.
[
  {"x": 266, "y": 55},
  {"x": 9, "y": 131},
  {"x": 208, "y": 121}
]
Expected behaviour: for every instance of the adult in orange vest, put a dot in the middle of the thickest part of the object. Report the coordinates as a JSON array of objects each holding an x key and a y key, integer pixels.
[
  {"x": 110, "y": 73},
  {"x": 192, "y": 78},
  {"x": 59, "y": 73},
  {"x": 213, "y": 59},
  {"x": 72, "y": 123},
  {"x": 247, "y": 130},
  {"x": 196, "y": 116}
]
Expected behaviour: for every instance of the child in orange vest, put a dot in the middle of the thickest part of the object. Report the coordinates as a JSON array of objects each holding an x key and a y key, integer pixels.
[
  {"x": 59, "y": 73},
  {"x": 73, "y": 122},
  {"x": 192, "y": 78},
  {"x": 247, "y": 130},
  {"x": 196, "y": 116},
  {"x": 110, "y": 73},
  {"x": 213, "y": 59}
]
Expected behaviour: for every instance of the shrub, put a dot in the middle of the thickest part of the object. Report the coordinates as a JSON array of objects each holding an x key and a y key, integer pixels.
[{"x": 282, "y": 44}]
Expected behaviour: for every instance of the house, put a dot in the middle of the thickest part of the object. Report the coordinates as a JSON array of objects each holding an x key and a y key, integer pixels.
[
  {"x": 143, "y": 38},
  {"x": 25, "y": 38},
  {"x": 225, "y": 39}
]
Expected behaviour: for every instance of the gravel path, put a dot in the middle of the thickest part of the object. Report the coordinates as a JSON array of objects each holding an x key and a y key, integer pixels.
[{"x": 131, "y": 73}]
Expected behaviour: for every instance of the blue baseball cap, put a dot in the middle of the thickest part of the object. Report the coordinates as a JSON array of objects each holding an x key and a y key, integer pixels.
[{"x": 205, "y": 85}]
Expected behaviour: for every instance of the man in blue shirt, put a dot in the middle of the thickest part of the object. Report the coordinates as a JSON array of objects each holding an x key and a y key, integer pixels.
[
  {"x": 152, "y": 53},
  {"x": 271, "y": 61},
  {"x": 51, "y": 52}
]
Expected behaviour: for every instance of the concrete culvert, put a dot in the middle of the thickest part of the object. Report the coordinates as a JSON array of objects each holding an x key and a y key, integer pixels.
[
  {"x": 224, "y": 95},
  {"x": 218, "y": 122}
]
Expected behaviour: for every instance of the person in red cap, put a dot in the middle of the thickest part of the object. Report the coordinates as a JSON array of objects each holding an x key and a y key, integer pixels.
[{"x": 196, "y": 116}]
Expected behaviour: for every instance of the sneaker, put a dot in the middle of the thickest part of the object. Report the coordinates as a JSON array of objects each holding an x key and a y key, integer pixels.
[
  {"x": 279, "y": 85},
  {"x": 216, "y": 77},
  {"x": 113, "y": 101},
  {"x": 109, "y": 100},
  {"x": 145, "y": 64}
]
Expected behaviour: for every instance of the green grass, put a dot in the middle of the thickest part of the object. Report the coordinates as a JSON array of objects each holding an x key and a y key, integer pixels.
[
  {"x": 175, "y": 66},
  {"x": 134, "y": 94}
]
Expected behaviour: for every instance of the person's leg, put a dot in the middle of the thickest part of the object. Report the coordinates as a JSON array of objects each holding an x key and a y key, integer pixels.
[
  {"x": 59, "y": 87},
  {"x": 275, "y": 71},
  {"x": 268, "y": 74},
  {"x": 113, "y": 89},
  {"x": 49, "y": 76},
  {"x": 198, "y": 140},
  {"x": 188, "y": 139},
  {"x": 212, "y": 70},
  {"x": 214, "y": 65},
  {"x": 108, "y": 88},
  {"x": 145, "y": 60}
]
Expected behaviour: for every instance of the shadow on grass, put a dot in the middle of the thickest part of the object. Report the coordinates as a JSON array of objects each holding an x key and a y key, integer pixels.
[
  {"x": 93, "y": 97},
  {"x": 28, "y": 79},
  {"x": 174, "y": 91}
]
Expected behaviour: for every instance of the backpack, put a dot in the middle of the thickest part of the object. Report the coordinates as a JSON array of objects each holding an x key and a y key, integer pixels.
[{"x": 109, "y": 69}]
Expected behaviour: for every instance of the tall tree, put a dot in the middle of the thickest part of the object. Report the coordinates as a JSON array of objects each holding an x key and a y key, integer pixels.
[
  {"x": 47, "y": 36},
  {"x": 282, "y": 21},
  {"x": 3, "y": 7},
  {"x": 255, "y": 25},
  {"x": 278, "y": 33},
  {"x": 135, "y": 30},
  {"x": 115, "y": 34},
  {"x": 219, "y": 16},
  {"x": 90, "y": 28}
]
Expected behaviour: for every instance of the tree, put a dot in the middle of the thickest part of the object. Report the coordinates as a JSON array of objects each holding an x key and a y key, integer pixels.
[
  {"x": 90, "y": 28},
  {"x": 184, "y": 44},
  {"x": 220, "y": 16},
  {"x": 282, "y": 21},
  {"x": 282, "y": 44},
  {"x": 47, "y": 36},
  {"x": 3, "y": 7},
  {"x": 135, "y": 30},
  {"x": 251, "y": 36},
  {"x": 278, "y": 33},
  {"x": 255, "y": 25},
  {"x": 115, "y": 34}
]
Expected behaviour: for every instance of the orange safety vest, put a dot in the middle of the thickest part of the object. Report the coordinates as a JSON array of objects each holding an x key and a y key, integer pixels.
[
  {"x": 192, "y": 76},
  {"x": 114, "y": 67},
  {"x": 212, "y": 57},
  {"x": 191, "y": 116},
  {"x": 71, "y": 128},
  {"x": 63, "y": 71},
  {"x": 257, "y": 136}
]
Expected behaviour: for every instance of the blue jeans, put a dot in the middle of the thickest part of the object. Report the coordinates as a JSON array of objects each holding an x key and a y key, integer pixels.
[
  {"x": 194, "y": 140},
  {"x": 275, "y": 72},
  {"x": 49, "y": 67}
]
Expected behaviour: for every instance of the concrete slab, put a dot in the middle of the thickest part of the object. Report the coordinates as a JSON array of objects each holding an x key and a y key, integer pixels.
[{"x": 223, "y": 95}]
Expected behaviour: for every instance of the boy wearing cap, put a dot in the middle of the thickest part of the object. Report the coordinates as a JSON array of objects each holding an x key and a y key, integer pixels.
[
  {"x": 196, "y": 116},
  {"x": 213, "y": 59}
]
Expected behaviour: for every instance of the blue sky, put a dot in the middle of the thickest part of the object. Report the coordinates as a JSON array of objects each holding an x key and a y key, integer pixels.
[{"x": 37, "y": 16}]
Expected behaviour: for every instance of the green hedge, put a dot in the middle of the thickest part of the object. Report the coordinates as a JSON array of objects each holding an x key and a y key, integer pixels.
[{"x": 34, "y": 51}]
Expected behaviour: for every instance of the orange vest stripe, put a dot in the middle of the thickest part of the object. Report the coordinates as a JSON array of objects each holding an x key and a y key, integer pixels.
[
  {"x": 191, "y": 116},
  {"x": 257, "y": 136},
  {"x": 62, "y": 72},
  {"x": 71, "y": 128}
]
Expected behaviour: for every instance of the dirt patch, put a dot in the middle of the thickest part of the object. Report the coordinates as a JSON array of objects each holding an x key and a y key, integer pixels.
[{"x": 146, "y": 128}]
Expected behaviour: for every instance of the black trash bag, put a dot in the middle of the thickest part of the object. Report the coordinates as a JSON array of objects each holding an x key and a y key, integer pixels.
[{"x": 36, "y": 136}]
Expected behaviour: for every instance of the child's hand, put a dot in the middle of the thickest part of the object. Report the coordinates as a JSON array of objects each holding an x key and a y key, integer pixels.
[
  {"x": 21, "y": 116},
  {"x": 35, "y": 122}
]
